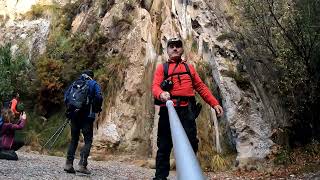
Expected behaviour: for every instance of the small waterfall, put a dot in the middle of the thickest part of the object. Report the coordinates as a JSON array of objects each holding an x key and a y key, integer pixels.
[
  {"x": 216, "y": 127},
  {"x": 151, "y": 54}
]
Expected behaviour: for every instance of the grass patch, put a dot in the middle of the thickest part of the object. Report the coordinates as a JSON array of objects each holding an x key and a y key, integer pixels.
[
  {"x": 204, "y": 70},
  {"x": 218, "y": 162},
  {"x": 194, "y": 46},
  {"x": 38, "y": 11},
  {"x": 242, "y": 82},
  {"x": 38, "y": 131},
  {"x": 283, "y": 157},
  {"x": 226, "y": 36}
]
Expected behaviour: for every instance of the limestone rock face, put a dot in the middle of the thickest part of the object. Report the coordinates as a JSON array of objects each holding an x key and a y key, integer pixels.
[
  {"x": 130, "y": 117},
  {"x": 30, "y": 35}
]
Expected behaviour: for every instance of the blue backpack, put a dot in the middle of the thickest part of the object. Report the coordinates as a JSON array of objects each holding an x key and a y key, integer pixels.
[
  {"x": 78, "y": 95},
  {"x": 1, "y": 122},
  {"x": 7, "y": 104}
]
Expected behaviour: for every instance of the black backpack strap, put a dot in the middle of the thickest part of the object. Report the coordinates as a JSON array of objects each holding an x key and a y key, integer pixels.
[
  {"x": 165, "y": 70},
  {"x": 188, "y": 70}
]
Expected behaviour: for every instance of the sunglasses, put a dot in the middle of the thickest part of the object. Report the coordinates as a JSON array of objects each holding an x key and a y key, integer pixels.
[{"x": 178, "y": 45}]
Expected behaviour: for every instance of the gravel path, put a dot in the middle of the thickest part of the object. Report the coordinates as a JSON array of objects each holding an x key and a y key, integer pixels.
[{"x": 34, "y": 166}]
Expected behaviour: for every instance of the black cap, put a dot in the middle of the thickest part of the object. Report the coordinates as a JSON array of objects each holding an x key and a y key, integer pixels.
[
  {"x": 89, "y": 73},
  {"x": 176, "y": 41}
]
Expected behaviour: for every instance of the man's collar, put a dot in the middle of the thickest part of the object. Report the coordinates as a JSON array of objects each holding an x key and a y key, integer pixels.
[
  {"x": 177, "y": 61},
  {"x": 174, "y": 60}
]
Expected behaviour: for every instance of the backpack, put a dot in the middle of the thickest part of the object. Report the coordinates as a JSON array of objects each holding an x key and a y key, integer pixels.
[
  {"x": 197, "y": 106},
  {"x": 1, "y": 122},
  {"x": 7, "y": 104},
  {"x": 78, "y": 95},
  {"x": 166, "y": 76}
]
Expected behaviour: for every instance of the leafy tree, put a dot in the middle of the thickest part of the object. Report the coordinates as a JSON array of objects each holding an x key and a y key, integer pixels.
[
  {"x": 285, "y": 37},
  {"x": 13, "y": 73}
]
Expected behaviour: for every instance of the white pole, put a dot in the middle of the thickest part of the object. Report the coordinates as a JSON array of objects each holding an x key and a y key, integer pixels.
[{"x": 187, "y": 165}]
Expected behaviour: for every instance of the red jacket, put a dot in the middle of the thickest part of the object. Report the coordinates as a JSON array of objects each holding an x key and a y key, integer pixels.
[
  {"x": 7, "y": 133},
  {"x": 14, "y": 103},
  {"x": 184, "y": 86}
]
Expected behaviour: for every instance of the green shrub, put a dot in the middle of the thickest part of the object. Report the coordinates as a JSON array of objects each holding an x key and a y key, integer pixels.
[
  {"x": 194, "y": 47},
  {"x": 283, "y": 157},
  {"x": 242, "y": 82},
  {"x": 35, "y": 12},
  {"x": 226, "y": 36},
  {"x": 13, "y": 73},
  {"x": 51, "y": 84}
]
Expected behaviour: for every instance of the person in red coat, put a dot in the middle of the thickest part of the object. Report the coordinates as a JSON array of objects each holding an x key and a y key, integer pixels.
[
  {"x": 181, "y": 91},
  {"x": 7, "y": 136},
  {"x": 14, "y": 103}
]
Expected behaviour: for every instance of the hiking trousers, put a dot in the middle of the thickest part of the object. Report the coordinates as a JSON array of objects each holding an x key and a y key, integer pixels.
[
  {"x": 164, "y": 141},
  {"x": 86, "y": 127}
]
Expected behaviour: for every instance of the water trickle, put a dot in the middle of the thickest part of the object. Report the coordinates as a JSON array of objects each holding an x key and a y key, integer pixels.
[
  {"x": 216, "y": 127},
  {"x": 150, "y": 51}
]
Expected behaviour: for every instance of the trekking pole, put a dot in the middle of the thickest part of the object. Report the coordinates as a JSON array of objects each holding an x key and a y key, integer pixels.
[
  {"x": 188, "y": 167},
  {"x": 56, "y": 135},
  {"x": 56, "y": 132}
]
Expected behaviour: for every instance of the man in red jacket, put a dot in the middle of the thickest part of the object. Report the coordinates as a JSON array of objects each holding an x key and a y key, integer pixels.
[{"x": 182, "y": 80}]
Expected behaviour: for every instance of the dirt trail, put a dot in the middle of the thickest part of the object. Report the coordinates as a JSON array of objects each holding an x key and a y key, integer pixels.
[{"x": 34, "y": 166}]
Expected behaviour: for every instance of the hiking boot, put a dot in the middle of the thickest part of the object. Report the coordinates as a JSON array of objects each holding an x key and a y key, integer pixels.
[
  {"x": 83, "y": 169},
  {"x": 69, "y": 168}
]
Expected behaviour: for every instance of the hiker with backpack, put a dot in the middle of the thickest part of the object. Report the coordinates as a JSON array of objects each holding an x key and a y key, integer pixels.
[
  {"x": 8, "y": 142},
  {"x": 176, "y": 80},
  {"x": 83, "y": 100}
]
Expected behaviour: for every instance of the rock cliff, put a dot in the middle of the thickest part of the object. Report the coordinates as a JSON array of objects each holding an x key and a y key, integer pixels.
[{"x": 139, "y": 30}]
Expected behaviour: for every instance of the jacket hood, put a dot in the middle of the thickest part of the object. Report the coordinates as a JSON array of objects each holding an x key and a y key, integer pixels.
[{"x": 85, "y": 77}]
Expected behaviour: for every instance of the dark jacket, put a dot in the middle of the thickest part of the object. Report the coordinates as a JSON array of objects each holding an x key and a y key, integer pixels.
[
  {"x": 95, "y": 96},
  {"x": 1, "y": 122},
  {"x": 7, "y": 133}
]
